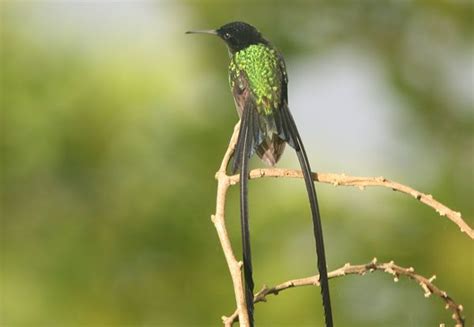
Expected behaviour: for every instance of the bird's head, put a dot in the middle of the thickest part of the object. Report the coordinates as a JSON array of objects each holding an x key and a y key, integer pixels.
[{"x": 237, "y": 35}]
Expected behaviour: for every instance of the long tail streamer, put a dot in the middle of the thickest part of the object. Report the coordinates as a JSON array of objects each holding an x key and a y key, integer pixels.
[
  {"x": 242, "y": 155},
  {"x": 317, "y": 227}
]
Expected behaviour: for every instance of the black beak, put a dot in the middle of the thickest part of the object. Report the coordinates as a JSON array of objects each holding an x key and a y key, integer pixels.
[{"x": 212, "y": 32}]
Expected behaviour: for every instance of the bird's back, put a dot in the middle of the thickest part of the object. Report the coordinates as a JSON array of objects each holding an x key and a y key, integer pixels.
[{"x": 257, "y": 79}]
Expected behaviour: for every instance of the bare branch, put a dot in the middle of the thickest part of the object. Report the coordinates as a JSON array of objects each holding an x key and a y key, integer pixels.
[
  {"x": 225, "y": 181},
  {"x": 361, "y": 183},
  {"x": 390, "y": 267}
]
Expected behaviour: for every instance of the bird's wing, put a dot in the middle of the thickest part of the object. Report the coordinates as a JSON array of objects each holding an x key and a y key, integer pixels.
[{"x": 244, "y": 100}]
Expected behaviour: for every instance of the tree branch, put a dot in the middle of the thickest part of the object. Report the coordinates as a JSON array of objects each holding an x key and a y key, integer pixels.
[
  {"x": 225, "y": 181},
  {"x": 390, "y": 267},
  {"x": 361, "y": 183}
]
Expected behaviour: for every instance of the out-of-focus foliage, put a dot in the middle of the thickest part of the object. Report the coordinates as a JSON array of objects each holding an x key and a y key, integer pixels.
[{"x": 113, "y": 123}]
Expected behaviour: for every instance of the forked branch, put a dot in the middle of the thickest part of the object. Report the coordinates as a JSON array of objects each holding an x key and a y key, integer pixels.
[{"x": 225, "y": 181}]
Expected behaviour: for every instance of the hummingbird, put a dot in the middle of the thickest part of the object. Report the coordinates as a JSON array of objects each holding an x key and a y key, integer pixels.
[{"x": 259, "y": 85}]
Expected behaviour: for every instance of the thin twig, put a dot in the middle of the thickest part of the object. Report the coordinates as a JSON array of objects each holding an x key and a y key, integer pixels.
[
  {"x": 390, "y": 267},
  {"x": 361, "y": 183}
]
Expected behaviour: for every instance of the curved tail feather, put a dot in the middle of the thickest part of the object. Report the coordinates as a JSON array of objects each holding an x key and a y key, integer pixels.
[
  {"x": 317, "y": 226},
  {"x": 241, "y": 157}
]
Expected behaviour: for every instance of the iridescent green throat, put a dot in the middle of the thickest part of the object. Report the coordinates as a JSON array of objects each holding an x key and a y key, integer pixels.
[{"x": 261, "y": 66}]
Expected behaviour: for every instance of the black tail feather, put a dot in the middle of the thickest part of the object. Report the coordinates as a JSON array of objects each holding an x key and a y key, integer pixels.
[
  {"x": 247, "y": 145},
  {"x": 317, "y": 227},
  {"x": 248, "y": 137}
]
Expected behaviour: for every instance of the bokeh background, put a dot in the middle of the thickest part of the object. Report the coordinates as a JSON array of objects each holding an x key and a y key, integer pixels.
[{"x": 113, "y": 123}]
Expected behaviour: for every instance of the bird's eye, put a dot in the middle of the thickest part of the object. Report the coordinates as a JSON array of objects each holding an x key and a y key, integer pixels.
[{"x": 227, "y": 36}]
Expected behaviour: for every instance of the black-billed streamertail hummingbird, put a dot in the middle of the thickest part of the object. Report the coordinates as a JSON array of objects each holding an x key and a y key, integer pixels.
[{"x": 259, "y": 83}]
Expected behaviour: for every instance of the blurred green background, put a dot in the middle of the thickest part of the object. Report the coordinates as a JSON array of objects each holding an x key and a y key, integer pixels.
[{"x": 113, "y": 123}]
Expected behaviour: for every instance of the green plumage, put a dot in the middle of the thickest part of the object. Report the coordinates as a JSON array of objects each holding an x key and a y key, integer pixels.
[
  {"x": 260, "y": 65},
  {"x": 257, "y": 78}
]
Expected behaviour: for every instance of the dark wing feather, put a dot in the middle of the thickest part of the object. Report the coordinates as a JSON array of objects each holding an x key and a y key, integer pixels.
[
  {"x": 281, "y": 118},
  {"x": 243, "y": 98}
]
